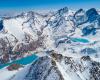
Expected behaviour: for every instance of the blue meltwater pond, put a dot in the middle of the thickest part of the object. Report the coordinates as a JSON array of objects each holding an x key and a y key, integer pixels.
[
  {"x": 80, "y": 40},
  {"x": 23, "y": 61}
]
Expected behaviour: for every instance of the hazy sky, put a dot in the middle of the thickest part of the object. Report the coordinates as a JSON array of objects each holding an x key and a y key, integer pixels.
[{"x": 17, "y": 5}]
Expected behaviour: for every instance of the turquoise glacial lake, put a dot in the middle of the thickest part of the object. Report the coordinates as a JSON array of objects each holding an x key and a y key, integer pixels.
[
  {"x": 23, "y": 61},
  {"x": 80, "y": 40}
]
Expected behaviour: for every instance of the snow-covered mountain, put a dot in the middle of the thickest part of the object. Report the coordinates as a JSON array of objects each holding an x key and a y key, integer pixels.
[
  {"x": 59, "y": 67},
  {"x": 73, "y": 35}
]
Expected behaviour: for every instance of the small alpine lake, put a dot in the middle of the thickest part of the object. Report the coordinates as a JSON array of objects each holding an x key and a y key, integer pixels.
[
  {"x": 82, "y": 40},
  {"x": 23, "y": 61}
]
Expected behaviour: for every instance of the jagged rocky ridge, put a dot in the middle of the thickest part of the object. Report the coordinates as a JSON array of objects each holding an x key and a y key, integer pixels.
[{"x": 59, "y": 67}]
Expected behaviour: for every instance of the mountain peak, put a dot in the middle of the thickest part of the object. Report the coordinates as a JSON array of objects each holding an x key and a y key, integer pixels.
[
  {"x": 92, "y": 14},
  {"x": 63, "y": 10}
]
